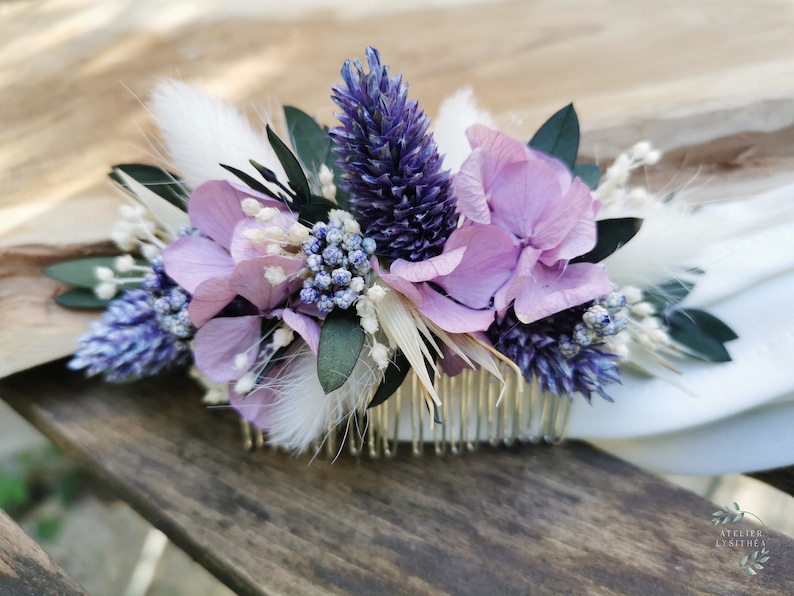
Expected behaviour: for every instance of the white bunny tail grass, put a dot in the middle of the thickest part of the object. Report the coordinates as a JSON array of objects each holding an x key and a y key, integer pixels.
[
  {"x": 201, "y": 132},
  {"x": 670, "y": 243},
  {"x": 303, "y": 413},
  {"x": 457, "y": 113}
]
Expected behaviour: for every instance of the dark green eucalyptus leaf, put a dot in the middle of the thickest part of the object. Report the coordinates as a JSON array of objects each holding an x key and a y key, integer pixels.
[
  {"x": 394, "y": 376},
  {"x": 702, "y": 332},
  {"x": 669, "y": 293},
  {"x": 589, "y": 173},
  {"x": 341, "y": 340},
  {"x": 559, "y": 136},
  {"x": 292, "y": 168},
  {"x": 311, "y": 142},
  {"x": 611, "y": 234},
  {"x": 80, "y": 272},
  {"x": 158, "y": 180},
  {"x": 81, "y": 298},
  {"x": 316, "y": 210},
  {"x": 250, "y": 181}
]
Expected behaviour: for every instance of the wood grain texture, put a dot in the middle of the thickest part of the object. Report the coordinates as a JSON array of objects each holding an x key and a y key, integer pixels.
[
  {"x": 26, "y": 570},
  {"x": 527, "y": 521}
]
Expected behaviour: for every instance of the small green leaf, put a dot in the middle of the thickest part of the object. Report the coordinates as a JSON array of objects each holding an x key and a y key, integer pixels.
[
  {"x": 750, "y": 571},
  {"x": 81, "y": 298},
  {"x": 80, "y": 272},
  {"x": 611, "y": 235},
  {"x": 717, "y": 513},
  {"x": 311, "y": 142},
  {"x": 316, "y": 210},
  {"x": 13, "y": 491},
  {"x": 313, "y": 145},
  {"x": 589, "y": 173},
  {"x": 394, "y": 376},
  {"x": 341, "y": 340},
  {"x": 758, "y": 565},
  {"x": 763, "y": 559},
  {"x": 158, "y": 180},
  {"x": 292, "y": 168},
  {"x": 744, "y": 560},
  {"x": 701, "y": 332},
  {"x": 559, "y": 136},
  {"x": 669, "y": 293},
  {"x": 735, "y": 505},
  {"x": 250, "y": 181},
  {"x": 738, "y": 517},
  {"x": 48, "y": 527}
]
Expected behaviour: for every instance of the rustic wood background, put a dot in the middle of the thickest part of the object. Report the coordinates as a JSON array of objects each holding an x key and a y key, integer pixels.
[
  {"x": 75, "y": 74},
  {"x": 533, "y": 520}
]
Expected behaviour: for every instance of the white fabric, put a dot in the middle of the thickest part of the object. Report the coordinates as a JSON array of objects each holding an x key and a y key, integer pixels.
[{"x": 749, "y": 284}]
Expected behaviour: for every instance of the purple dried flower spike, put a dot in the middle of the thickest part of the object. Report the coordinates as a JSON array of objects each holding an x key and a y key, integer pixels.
[
  {"x": 539, "y": 351},
  {"x": 129, "y": 342},
  {"x": 391, "y": 167}
]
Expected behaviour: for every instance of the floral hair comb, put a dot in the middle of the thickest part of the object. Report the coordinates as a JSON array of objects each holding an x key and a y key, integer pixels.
[{"x": 455, "y": 286}]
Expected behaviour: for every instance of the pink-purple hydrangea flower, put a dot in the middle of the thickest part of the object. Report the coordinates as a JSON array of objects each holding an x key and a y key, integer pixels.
[
  {"x": 233, "y": 259},
  {"x": 549, "y": 215}
]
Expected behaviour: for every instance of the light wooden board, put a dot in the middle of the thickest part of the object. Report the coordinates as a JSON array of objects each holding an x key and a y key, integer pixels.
[
  {"x": 25, "y": 569},
  {"x": 539, "y": 520}
]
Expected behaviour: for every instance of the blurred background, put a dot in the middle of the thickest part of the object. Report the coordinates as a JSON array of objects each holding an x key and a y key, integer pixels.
[{"x": 74, "y": 78}]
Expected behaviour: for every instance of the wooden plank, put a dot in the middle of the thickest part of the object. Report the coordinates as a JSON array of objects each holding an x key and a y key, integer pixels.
[
  {"x": 533, "y": 520},
  {"x": 25, "y": 569}
]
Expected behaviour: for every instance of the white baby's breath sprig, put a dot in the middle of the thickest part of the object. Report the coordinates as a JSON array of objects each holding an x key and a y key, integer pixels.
[{"x": 614, "y": 184}]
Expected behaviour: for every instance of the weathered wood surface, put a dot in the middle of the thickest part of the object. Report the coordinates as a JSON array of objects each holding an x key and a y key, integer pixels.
[
  {"x": 529, "y": 521},
  {"x": 679, "y": 73},
  {"x": 26, "y": 570}
]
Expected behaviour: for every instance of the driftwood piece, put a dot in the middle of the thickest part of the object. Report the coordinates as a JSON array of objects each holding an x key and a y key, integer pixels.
[
  {"x": 541, "y": 520},
  {"x": 25, "y": 569}
]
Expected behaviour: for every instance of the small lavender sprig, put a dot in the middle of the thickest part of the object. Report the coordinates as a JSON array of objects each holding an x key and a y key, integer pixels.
[
  {"x": 391, "y": 167},
  {"x": 129, "y": 342}
]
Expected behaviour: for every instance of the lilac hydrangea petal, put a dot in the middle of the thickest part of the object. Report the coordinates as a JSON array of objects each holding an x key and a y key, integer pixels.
[
  {"x": 523, "y": 196},
  {"x": 220, "y": 340},
  {"x": 489, "y": 260},
  {"x": 214, "y": 208},
  {"x": 254, "y": 407},
  {"x": 505, "y": 150},
  {"x": 450, "y": 315},
  {"x": 304, "y": 326},
  {"x": 521, "y": 275},
  {"x": 402, "y": 285},
  {"x": 210, "y": 298},
  {"x": 192, "y": 260},
  {"x": 429, "y": 269},
  {"x": 570, "y": 230},
  {"x": 555, "y": 290},
  {"x": 248, "y": 280},
  {"x": 469, "y": 188}
]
